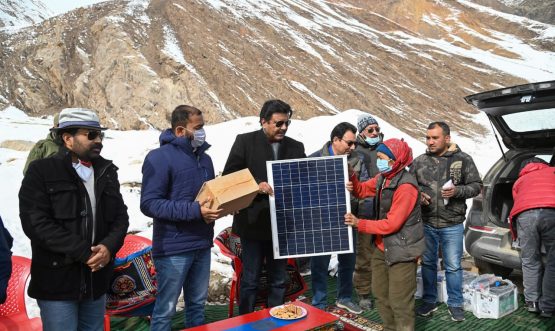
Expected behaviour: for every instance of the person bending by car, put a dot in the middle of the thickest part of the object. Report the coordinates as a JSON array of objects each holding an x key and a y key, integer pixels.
[
  {"x": 534, "y": 214},
  {"x": 399, "y": 233}
]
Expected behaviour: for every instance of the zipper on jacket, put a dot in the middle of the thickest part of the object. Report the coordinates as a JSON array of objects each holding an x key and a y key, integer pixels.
[
  {"x": 85, "y": 232},
  {"x": 438, "y": 177},
  {"x": 96, "y": 197}
]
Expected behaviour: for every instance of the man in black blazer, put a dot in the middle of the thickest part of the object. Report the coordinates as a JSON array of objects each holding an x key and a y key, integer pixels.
[{"x": 252, "y": 150}]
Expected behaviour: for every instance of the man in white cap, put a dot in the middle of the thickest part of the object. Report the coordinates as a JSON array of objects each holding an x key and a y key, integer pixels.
[
  {"x": 72, "y": 211},
  {"x": 368, "y": 138}
]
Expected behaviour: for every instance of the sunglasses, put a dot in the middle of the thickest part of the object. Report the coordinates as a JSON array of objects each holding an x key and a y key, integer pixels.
[
  {"x": 350, "y": 143},
  {"x": 279, "y": 124},
  {"x": 93, "y": 134},
  {"x": 371, "y": 130}
]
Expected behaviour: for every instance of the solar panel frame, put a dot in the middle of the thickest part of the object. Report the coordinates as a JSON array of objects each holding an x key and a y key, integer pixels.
[{"x": 301, "y": 179}]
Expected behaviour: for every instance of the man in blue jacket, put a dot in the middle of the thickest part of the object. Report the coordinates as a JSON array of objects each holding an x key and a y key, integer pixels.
[{"x": 183, "y": 230}]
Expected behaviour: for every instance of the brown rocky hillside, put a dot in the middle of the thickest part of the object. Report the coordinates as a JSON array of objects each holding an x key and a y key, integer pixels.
[{"x": 134, "y": 61}]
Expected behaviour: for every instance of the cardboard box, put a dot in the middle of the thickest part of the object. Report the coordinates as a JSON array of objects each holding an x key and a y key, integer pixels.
[
  {"x": 231, "y": 192},
  {"x": 495, "y": 302}
]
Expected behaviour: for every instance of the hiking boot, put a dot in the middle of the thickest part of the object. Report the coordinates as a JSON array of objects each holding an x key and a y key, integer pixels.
[
  {"x": 457, "y": 313},
  {"x": 533, "y": 307},
  {"x": 365, "y": 303},
  {"x": 348, "y": 305},
  {"x": 546, "y": 314},
  {"x": 426, "y": 309}
]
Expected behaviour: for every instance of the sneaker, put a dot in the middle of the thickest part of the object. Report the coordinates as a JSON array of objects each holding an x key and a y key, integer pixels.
[
  {"x": 546, "y": 314},
  {"x": 365, "y": 303},
  {"x": 457, "y": 313},
  {"x": 532, "y": 306},
  {"x": 349, "y": 305},
  {"x": 426, "y": 309}
]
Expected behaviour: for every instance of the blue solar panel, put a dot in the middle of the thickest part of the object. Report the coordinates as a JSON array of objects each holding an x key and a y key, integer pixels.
[{"x": 308, "y": 206}]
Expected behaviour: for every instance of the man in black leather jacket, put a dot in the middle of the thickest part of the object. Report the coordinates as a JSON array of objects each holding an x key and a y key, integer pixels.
[{"x": 72, "y": 211}]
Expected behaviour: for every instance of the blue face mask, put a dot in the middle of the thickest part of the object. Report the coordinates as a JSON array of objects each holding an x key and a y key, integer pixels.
[
  {"x": 199, "y": 138},
  {"x": 372, "y": 141},
  {"x": 383, "y": 165}
]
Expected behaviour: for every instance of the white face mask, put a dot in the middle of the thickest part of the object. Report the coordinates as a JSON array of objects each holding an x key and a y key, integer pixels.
[{"x": 199, "y": 137}]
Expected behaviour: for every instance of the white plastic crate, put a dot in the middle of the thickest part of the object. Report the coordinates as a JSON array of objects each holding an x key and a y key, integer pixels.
[
  {"x": 442, "y": 285},
  {"x": 495, "y": 302}
]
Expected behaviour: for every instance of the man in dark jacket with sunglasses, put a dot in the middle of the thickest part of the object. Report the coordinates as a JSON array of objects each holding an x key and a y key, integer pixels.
[
  {"x": 252, "y": 150},
  {"x": 72, "y": 210}
]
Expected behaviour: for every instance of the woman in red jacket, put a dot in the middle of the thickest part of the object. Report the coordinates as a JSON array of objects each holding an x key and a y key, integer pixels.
[{"x": 399, "y": 233}]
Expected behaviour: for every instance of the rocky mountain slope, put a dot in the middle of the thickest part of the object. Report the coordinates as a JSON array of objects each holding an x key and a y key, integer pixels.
[
  {"x": 540, "y": 10},
  {"x": 22, "y": 12},
  {"x": 408, "y": 61}
]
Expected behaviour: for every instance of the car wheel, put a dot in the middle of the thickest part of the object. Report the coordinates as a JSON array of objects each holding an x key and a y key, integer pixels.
[{"x": 491, "y": 268}]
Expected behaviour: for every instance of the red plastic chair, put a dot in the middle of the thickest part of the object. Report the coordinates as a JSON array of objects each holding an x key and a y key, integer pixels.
[
  {"x": 131, "y": 244},
  {"x": 13, "y": 313},
  {"x": 230, "y": 246}
]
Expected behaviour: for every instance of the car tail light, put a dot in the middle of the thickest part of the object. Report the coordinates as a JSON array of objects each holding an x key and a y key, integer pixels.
[{"x": 486, "y": 229}]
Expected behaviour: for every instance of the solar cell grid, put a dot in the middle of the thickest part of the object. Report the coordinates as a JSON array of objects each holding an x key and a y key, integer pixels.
[{"x": 308, "y": 206}]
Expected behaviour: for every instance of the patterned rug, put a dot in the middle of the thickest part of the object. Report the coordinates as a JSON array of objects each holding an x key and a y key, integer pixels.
[{"x": 358, "y": 322}]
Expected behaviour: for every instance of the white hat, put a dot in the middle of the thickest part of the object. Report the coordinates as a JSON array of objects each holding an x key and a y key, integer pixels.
[{"x": 78, "y": 118}]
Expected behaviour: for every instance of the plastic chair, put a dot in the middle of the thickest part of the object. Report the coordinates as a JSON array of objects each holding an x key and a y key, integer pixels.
[
  {"x": 131, "y": 244},
  {"x": 13, "y": 313},
  {"x": 230, "y": 246}
]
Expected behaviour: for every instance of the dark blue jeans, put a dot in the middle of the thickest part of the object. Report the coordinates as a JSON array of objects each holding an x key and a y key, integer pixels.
[
  {"x": 451, "y": 241},
  {"x": 537, "y": 227},
  {"x": 319, "y": 271},
  {"x": 253, "y": 254}
]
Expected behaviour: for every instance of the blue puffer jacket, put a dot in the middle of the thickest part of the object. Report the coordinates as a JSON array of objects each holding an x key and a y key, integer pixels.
[{"x": 172, "y": 176}]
